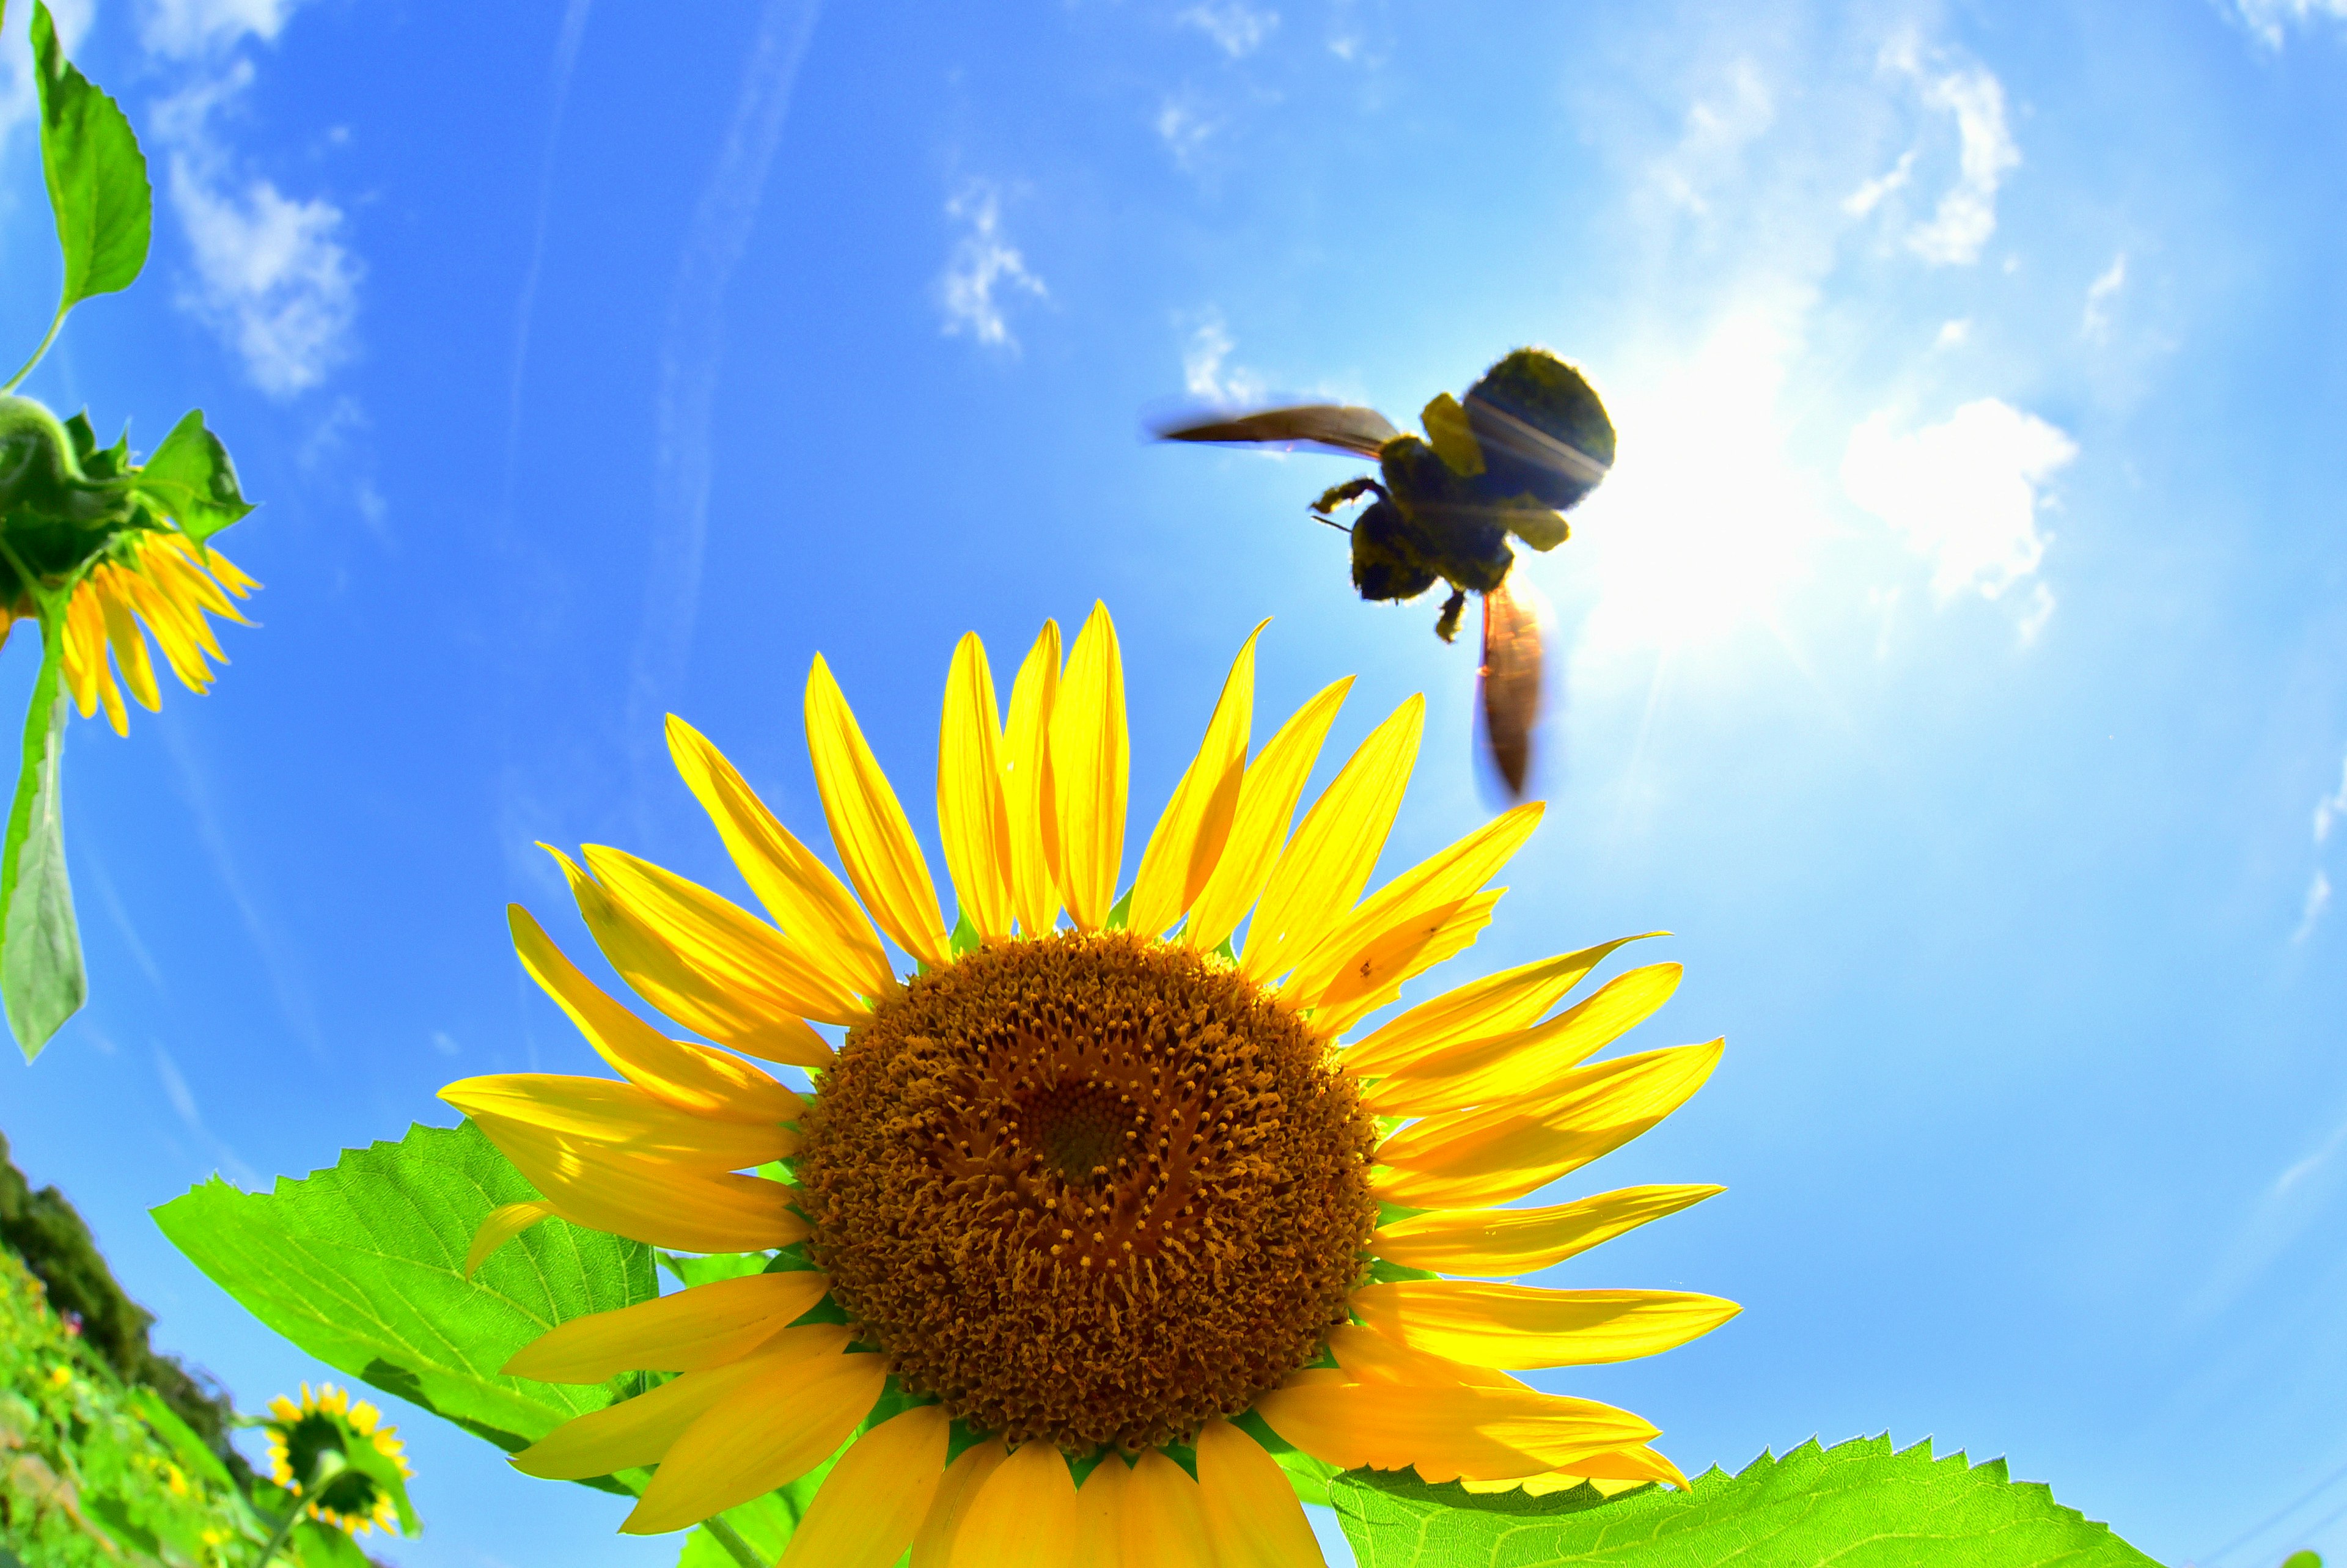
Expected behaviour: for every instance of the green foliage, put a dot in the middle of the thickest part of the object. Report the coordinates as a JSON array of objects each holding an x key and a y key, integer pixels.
[
  {"x": 42, "y": 982},
  {"x": 2302, "y": 1560},
  {"x": 361, "y": 1265},
  {"x": 191, "y": 479},
  {"x": 97, "y": 175},
  {"x": 1856, "y": 1505},
  {"x": 93, "y": 1472},
  {"x": 42, "y": 1231}
]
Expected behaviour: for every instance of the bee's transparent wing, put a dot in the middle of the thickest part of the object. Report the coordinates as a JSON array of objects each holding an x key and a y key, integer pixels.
[
  {"x": 1336, "y": 426},
  {"x": 1511, "y": 678}
]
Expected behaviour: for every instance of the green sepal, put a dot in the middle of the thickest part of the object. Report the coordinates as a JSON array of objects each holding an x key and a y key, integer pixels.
[
  {"x": 191, "y": 480},
  {"x": 707, "y": 1268},
  {"x": 1384, "y": 1271},
  {"x": 42, "y": 982},
  {"x": 964, "y": 936},
  {"x": 1860, "y": 1504},
  {"x": 98, "y": 193},
  {"x": 1120, "y": 912},
  {"x": 362, "y": 1266}
]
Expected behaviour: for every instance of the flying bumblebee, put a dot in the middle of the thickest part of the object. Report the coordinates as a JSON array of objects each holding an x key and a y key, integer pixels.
[{"x": 1525, "y": 445}]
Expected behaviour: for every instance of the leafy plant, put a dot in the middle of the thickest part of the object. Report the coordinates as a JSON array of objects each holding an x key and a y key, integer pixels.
[{"x": 69, "y": 506}]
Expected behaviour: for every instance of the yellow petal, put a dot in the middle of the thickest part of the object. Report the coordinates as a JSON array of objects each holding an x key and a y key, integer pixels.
[
  {"x": 796, "y": 888},
  {"x": 779, "y": 1424},
  {"x": 620, "y": 1117},
  {"x": 875, "y": 1496},
  {"x": 1091, "y": 764},
  {"x": 1524, "y": 1062},
  {"x": 875, "y": 841},
  {"x": 1328, "y": 973},
  {"x": 732, "y": 951},
  {"x": 690, "y": 1077},
  {"x": 1519, "y": 1241},
  {"x": 949, "y": 1510},
  {"x": 1399, "y": 954},
  {"x": 973, "y": 818},
  {"x": 690, "y": 1330},
  {"x": 1325, "y": 866},
  {"x": 1100, "y": 1516},
  {"x": 1187, "y": 843},
  {"x": 123, "y": 635},
  {"x": 1164, "y": 1517},
  {"x": 639, "y": 1430},
  {"x": 648, "y": 1200},
  {"x": 1521, "y": 1326},
  {"x": 1367, "y": 1356},
  {"x": 1024, "y": 1515},
  {"x": 1028, "y": 790},
  {"x": 1252, "y": 1515},
  {"x": 1456, "y": 1432},
  {"x": 502, "y": 1224},
  {"x": 1492, "y": 1006},
  {"x": 1268, "y": 792},
  {"x": 1477, "y": 1158},
  {"x": 1610, "y": 1473}
]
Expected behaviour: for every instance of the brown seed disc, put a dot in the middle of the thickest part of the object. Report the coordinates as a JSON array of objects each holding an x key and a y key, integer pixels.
[{"x": 1090, "y": 1188}]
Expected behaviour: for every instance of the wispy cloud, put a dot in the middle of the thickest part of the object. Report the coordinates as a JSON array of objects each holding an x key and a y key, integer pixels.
[
  {"x": 2330, "y": 809},
  {"x": 183, "y": 29},
  {"x": 271, "y": 275},
  {"x": 1719, "y": 125},
  {"x": 2095, "y": 324},
  {"x": 1961, "y": 225},
  {"x": 183, "y": 1105},
  {"x": 1868, "y": 196},
  {"x": 1237, "y": 28},
  {"x": 2318, "y": 899},
  {"x": 1953, "y": 334},
  {"x": 2267, "y": 19},
  {"x": 2328, "y": 813},
  {"x": 1206, "y": 373},
  {"x": 983, "y": 265},
  {"x": 1963, "y": 494}
]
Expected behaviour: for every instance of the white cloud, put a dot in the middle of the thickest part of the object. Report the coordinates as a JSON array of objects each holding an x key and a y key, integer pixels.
[
  {"x": 273, "y": 277},
  {"x": 1953, "y": 333},
  {"x": 1966, "y": 215},
  {"x": 181, "y": 29},
  {"x": 1963, "y": 494},
  {"x": 1718, "y": 129},
  {"x": 982, "y": 262},
  {"x": 1204, "y": 372},
  {"x": 2094, "y": 325},
  {"x": 1868, "y": 196},
  {"x": 1235, "y": 28},
  {"x": 2318, "y": 899},
  {"x": 1184, "y": 128},
  {"x": 2267, "y": 18},
  {"x": 2330, "y": 809},
  {"x": 19, "y": 98}
]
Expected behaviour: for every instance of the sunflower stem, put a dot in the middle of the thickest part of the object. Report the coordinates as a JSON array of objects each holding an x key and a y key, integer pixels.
[
  {"x": 285, "y": 1529},
  {"x": 730, "y": 1539}
]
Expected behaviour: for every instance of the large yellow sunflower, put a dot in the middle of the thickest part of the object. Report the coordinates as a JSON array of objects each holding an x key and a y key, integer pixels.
[
  {"x": 157, "y": 577},
  {"x": 1076, "y": 1213}
]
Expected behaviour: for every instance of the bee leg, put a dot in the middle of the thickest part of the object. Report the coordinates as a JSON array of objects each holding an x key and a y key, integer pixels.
[
  {"x": 1447, "y": 627},
  {"x": 1345, "y": 494}
]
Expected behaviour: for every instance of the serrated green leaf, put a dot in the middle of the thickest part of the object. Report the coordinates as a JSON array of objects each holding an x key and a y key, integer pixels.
[
  {"x": 42, "y": 982},
  {"x": 361, "y": 1265},
  {"x": 97, "y": 175},
  {"x": 1856, "y": 1505},
  {"x": 707, "y": 1268},
  {"x": 191, "y": 480}
]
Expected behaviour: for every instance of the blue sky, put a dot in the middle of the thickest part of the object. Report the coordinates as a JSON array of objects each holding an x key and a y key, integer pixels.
[{"x": 1956, "y": 660}]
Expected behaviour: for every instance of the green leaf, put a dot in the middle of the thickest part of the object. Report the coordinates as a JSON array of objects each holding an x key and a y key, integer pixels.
[
  {"x": 706, "y": 1268},
  {"x": 42, "y": 983},
  {"x": 362, "y": 1268},
  {"x": 191, "y": 480},
  {"x": 320, "y": 1545},
  {"x": 1857, "y": 1505},
  {"x": 97, "y": 175}
]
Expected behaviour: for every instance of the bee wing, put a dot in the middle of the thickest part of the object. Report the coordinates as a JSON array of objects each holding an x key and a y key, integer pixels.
[
  {"x": 1533, "y": 446},
  {"x": 1511, "y": 678},
  {"x": 1337, "y": 426}
]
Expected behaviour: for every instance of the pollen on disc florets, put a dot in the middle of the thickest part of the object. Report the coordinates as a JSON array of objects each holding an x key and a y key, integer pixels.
[{"x": 1089, "y": 1188}]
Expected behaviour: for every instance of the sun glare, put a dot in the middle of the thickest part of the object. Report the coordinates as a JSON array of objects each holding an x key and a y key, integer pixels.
[{"x": 1703, "y": 525}]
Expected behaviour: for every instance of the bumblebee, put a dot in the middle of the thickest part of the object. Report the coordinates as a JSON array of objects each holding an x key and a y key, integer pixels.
[{"x": 1527, "y": 443}]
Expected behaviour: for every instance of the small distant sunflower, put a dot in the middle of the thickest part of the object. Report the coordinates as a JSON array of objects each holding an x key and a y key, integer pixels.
[
  {"x": 349, "y": 1469},
  {"x": 157, "y": 578},
  {"x": 1080, "y": 1217}
]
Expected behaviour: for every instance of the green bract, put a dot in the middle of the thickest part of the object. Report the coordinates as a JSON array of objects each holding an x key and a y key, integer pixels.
[{"x": 65, "y": 504}]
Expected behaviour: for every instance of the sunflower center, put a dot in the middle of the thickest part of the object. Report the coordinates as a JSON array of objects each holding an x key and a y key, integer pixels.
[{"x": 1089, "y": 1188}]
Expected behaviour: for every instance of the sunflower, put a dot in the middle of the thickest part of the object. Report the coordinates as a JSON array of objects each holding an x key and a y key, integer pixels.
[
  {"x": 161, "y": 578},
  {"x": 1081, "y": 1222},
  {"x": 347, "y": 1467}
]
